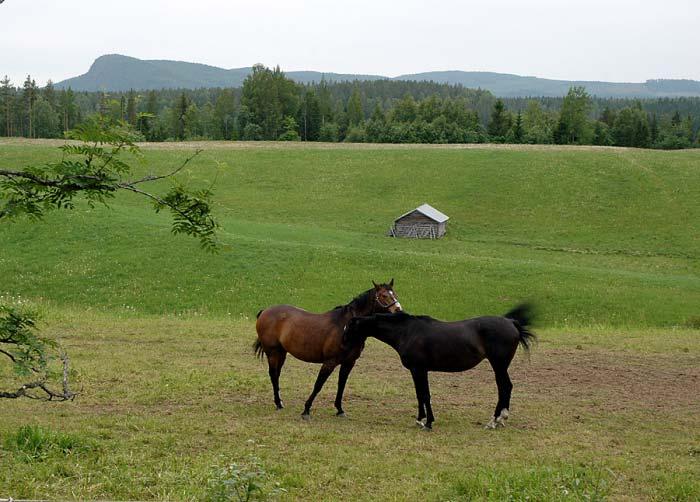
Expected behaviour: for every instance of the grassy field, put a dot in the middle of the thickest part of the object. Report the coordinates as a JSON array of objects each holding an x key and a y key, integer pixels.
[{"x": 605, "y": 242}]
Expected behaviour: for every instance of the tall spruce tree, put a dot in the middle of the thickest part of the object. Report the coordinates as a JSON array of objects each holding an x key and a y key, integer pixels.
[
  {"x": 499, "y": 123},
  {"x": 67, "y": 109},
  {"x": 653, "y": 130},
  {"x": 325, "y": 102},
  {"x": 152, "y": 103},
  {"x": 179, "y": 118},
  {"x": 6, "y": 96},
  {"x": 50, "y": 94},
  {"x": 131, "y": 108},
  {"x": 518, "y": 132},
  {"x": 310, "y": 117},
  {"x": 29, "y": 97},
  {"x": 354, "y": 108}
]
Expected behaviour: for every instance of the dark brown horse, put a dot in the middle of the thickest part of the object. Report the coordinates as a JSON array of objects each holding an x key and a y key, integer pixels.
[
  {"x": 426, "y": 344},
  {"x": 318, "y": 338}
]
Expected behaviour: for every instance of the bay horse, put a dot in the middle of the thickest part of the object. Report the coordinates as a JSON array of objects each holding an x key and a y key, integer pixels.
[
  {"x": 426, "y": 344},
  {"x": 318, "y": 338}
]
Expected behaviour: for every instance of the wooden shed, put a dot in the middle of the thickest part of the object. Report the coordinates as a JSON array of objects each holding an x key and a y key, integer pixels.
[{"x": 424, "y": 222}]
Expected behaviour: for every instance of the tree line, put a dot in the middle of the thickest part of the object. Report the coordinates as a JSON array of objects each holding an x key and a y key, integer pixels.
[{"x": 270, "y": 106}]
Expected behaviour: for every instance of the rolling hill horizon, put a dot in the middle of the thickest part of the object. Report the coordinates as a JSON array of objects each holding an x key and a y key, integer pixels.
[{"x": 116, "y": 72}]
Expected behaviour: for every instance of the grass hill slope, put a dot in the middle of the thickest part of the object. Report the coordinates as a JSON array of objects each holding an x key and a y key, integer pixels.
[{"x": 594, "y": 236}]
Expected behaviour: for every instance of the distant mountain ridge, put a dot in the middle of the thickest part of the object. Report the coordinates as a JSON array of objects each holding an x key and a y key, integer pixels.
[{"x": 115, "y": 72}]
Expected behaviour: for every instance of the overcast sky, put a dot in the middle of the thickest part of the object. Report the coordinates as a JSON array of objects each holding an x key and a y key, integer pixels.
[{"x": 613, "y": 40}]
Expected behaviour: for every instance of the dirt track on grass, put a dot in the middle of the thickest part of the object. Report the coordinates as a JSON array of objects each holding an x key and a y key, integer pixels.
[{"x": 298, "y": 145}]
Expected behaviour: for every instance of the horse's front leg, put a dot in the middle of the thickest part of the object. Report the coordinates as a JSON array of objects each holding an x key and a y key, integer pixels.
[
  {"x": 345, "y": 370},
  {"x": 323, "y": 375}
]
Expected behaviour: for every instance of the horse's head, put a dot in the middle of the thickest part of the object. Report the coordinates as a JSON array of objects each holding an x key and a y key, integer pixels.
[{"x": 385, "y": 298}]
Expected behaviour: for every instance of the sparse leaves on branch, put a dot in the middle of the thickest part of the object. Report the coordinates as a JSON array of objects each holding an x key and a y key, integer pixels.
[
  {"x": 94, "y": 170},
  {"x": 34, "y": 359}
]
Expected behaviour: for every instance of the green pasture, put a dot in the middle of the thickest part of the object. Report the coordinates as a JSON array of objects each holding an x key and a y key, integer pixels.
[
  {"x": 605, "y": 242},
  {"x": 595, "y": 237}
]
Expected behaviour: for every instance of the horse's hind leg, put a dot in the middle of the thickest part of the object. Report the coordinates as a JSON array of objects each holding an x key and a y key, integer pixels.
[
  {"x": 323, "y": 375},
  {"x": 275, "y": 361},
  {"x": 505, "y": 387},
  {"x": 418, "y": 384},
  {"x": 345, "y": 370},
  {"x": 420, "y": 380}
]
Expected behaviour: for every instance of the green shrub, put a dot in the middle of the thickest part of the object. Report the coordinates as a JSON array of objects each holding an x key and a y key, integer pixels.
[
  {"x": 35, "y": 443},
  {"x": 355, "y": 135},
  {"x": 328, "y": 132},
  {"x": 241, "y": 482},
  {"x": 568, "y": 483}
]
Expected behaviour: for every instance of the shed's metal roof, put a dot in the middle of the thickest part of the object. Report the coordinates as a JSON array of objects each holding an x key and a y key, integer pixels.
[{"x": 428, "y": 211}]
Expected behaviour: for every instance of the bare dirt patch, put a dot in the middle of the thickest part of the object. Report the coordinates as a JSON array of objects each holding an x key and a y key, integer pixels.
[{"x": 605, "y": 381}]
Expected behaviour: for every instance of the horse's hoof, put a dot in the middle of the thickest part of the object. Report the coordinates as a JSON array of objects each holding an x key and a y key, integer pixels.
[
  {"x": 279, "y": 407},
  {"x": 340, "y": 414},
  {"x": 420, "y": 423},
  {"x": 306, "y": 416},
  {"x": 502, "y": 417},
  {"x": 491, "y": 425},
  {"x": 427, "y": 428}
]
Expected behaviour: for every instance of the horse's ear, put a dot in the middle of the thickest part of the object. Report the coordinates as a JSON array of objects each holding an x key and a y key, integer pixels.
[
  {"x": 391, "y": 283},
  {"x": 376, "y": 286}
]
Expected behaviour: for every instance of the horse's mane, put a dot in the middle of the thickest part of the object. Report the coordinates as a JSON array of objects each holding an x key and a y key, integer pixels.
[
  {"x": 359, "y": 300},
  {"x": 402, "y": 316}
]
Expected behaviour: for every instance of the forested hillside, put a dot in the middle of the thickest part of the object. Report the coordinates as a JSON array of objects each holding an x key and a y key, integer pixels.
[
  {"x": 114, "y": 73},
  {"x": 271, "y": 106}
]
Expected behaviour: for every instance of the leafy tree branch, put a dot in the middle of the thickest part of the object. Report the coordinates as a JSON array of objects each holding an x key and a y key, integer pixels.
[{"x": 95, "y": 170}]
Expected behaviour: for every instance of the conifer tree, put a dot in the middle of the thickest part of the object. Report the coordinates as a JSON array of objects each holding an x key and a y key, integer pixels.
[
  {"x": 310, "y": 117},
  {"x": 6, "y": 95},
  {"x": 498, "y": 125},
  {"x": 325, "y": 102},
  {"x": 689, "y": 128},
  {"x": 354, "y": 108},
  {"x": 29, "y": 97},
  {"x": 180, "y": 117},
  {"x": 131, "y": 108},
  {"x": 676, "y": 119},
  {"x": 50, "y": 94},
  {"x": 518, "y": 128},
  {"x": 152, "y": 103},
  {"x": 653, "y": 130}
]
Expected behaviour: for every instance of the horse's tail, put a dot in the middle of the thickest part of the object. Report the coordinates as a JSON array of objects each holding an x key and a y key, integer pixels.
[
  {"x": 258, "y": 348},
  {"x": 257, "y": 344},
  {"x": 522, "y": 316}
]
